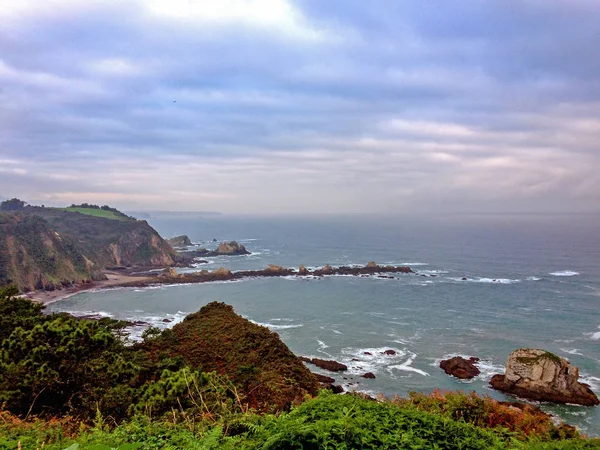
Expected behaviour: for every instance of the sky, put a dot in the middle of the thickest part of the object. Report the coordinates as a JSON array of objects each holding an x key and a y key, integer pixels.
[{"x": 302, "y": 106}]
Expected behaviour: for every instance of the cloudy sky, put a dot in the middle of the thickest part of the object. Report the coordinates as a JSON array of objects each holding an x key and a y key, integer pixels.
[{"x": 279, "y": 106}]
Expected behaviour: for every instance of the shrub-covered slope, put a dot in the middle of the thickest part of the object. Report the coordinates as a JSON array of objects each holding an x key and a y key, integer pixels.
[{"x": 216, "y": 339}]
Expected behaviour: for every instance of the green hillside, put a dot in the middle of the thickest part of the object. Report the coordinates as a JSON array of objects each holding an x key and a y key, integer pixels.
[{"x": 106, "y": 214}]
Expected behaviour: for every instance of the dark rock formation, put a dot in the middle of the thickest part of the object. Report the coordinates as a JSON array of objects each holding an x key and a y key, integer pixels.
[
  {"x": 460, "y": 367},
  {"x": 180, "y": 241},
  {"x": 332, "y": 366},
  {"x": 369, "y": 375},
  {"x": 540, "y": 375},
  {"x": 324, "y": 378},
  {"x": 302, "y": 271},
  {"x": 389, "y": 352},
  {"x": 336, "y": 389}
]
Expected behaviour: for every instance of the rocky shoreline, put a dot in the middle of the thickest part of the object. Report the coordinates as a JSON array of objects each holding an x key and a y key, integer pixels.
[
  {"x": 170, "y": 276},
  {"x": 141, "y": 277}
]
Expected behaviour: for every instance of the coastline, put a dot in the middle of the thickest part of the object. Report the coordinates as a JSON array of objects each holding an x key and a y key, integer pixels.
[
  {"x": 114, "y": 279},
  {"x": 170, "y": 276}
]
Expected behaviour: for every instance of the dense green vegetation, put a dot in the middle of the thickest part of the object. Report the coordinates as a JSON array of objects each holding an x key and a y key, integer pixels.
[{"x": 74, "y": 384}]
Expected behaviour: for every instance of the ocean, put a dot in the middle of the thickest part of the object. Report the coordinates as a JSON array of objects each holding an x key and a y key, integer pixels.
[{"x": 532, "y": 281}]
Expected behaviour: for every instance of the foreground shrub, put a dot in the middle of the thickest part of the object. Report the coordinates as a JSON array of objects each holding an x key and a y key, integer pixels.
[{"x": 522, "y": 419}]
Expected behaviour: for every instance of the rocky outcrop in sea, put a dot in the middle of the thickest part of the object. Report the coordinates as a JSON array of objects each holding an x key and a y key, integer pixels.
[
  {"x": 460, "y": 367},
  {"x": 543, "y": 376}
]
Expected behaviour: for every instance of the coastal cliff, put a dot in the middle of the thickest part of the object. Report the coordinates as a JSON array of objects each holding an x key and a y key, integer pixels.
[
  {"x": 34, "y": 256},
  {"x": 51, "y": 248}
]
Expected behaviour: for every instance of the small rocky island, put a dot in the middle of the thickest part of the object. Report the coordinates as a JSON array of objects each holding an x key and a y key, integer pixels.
[
  {"x": 543, "y": 376},
  {"x": 231, "y": 248},
  {"x": 180, "y": 241},
  {"x": 460, "y": 367}
]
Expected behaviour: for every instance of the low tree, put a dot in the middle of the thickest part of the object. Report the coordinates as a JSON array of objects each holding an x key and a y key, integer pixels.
[{"x": 13, "y": 204}]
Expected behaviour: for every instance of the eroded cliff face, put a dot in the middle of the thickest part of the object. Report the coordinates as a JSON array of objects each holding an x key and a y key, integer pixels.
[
  {"x": 34, "y": 256},
  {"x": 46, "y": 248}
]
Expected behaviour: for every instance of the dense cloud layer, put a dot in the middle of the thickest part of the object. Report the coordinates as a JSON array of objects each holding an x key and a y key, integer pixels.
[{"x": 305, "y": 106}]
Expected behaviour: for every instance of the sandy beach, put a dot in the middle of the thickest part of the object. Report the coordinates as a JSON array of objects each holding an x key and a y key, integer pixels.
[{"x": 114, "y": 279}]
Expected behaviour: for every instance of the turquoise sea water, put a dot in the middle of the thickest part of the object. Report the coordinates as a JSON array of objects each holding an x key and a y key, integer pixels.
[{"x": 531, "y": 282}]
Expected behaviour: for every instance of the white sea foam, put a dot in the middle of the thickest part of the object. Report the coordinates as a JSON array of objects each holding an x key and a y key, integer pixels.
[
  {"x": 572, "y": 351},
  {"x": 272, "y": 326},
  {"x": 594, "y": 336},
  {"x": 406, "y": 366},
  {"x": 358, "y": 362},
  {"x": 162, "y": 322},
  {"x": 564, "y": 273},
  {"x": 488, "y": 368},
  {"x": 594, "y": 382},
  {"x": 90, "y": 313},
  {"x": 431, "y": 272},
  {"x": 485, "y": 280},
  {"x": 533, "y": 279},
  {"x": 321, "y": 346}
]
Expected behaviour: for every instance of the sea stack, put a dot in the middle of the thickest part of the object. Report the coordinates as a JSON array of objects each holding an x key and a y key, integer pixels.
[
  {"x": 231, "y": 248},
  {"x": 543, "y": 376}
]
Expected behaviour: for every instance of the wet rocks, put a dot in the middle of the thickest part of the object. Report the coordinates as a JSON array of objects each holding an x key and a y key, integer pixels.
[
  {"x": 336, "y": 388},
  {"x": 332, "y": 366},
  {"x": 324, "y": 378},
  {"x": 460, "y": 367},
  {"x": 389, "y": 352},
  {"x": 540, "y": 375},
  {"x": 302, "y": 271},
  {"x": 369, "y": 375}
]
